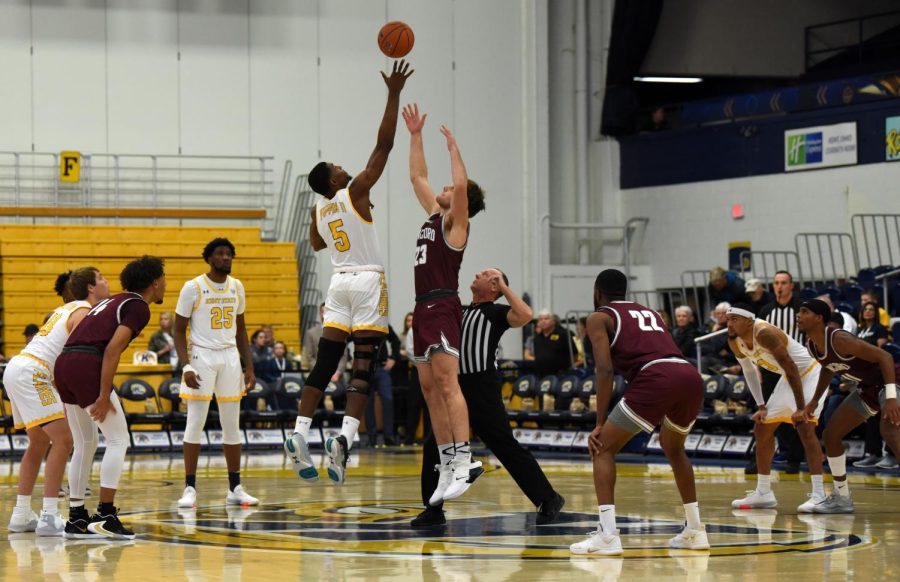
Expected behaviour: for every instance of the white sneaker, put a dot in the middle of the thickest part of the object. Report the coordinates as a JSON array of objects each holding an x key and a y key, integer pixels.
[
  {"x": 690, "y": 539},
  {"x": 463, "y": 475},
  {"x": 337, "y": 450},
  {"x": 809, "y": 506},
  {"x": 297, "y": 449},
  {"x": 443, "y": 482},
  {"x": 756, "y": 500},
  {"x": 599, "y": 543},
  {"x": 188, "y": 498},
  {"x": 50, "y": 525},
  {"x": 240, "y": 497},
  {"x": 20, "y": 522},
  {"x": 237, "y": 516}
]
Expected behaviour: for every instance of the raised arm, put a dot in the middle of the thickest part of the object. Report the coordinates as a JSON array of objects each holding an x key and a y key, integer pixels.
[
  {"x": 315, "y": 239},
  {"x": 418, "y": 169},
  {"x": 360, "y": 186},
  {"x": 459, "y": 200},
  {"x": 519, "y": 313}
]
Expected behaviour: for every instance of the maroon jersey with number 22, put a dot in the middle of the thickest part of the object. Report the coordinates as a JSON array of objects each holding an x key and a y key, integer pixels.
[{"x": 641, "y": 337}]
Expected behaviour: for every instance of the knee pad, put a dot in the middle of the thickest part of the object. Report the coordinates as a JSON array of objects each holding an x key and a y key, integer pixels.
[
  {"x": 364, "y": 362},
  {"x": 197, "y": 411},
  {"x": 327, "y": 361}
]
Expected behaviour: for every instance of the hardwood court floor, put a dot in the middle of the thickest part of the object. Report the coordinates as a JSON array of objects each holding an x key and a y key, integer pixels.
[{"x": 359, "y": 531}]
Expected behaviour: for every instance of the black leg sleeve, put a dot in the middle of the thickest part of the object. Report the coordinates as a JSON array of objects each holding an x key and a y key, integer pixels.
[{"x": 430, "y": 458}]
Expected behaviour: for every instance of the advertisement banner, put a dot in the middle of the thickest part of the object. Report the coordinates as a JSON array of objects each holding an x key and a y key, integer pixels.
[
  {"x": 808, "y": 148},
  {"x": 892, "y": 138}
]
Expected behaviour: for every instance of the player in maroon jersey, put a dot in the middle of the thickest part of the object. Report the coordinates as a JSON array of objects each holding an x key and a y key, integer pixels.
[
  {"x": 84, "y": 375},
  {"x": 872, "y": 369},
  {"x": 664, "y": 389},
  {"x": 438, "y": 313}
]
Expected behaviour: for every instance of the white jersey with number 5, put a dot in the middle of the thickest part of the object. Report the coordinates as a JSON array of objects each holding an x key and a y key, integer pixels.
[
  {"x": 213, "y": 309},
  {"x": 352, "y": 240},
  {"x": 48, "y": 342}
]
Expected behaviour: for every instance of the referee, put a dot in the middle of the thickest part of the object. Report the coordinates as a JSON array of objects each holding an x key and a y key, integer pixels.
[
  {"x": 782, "y": 313},
  {"x": 482, "y": 325}
]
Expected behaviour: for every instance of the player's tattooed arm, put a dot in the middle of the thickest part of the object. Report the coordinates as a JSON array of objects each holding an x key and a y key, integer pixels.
[{"x": 773, "y": 341}]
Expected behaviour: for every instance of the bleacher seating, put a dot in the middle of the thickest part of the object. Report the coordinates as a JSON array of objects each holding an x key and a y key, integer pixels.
[{"x": 31, "y": 256}]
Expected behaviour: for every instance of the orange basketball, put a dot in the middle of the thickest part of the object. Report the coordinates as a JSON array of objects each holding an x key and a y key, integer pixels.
[{"x": 395, "y": 39}]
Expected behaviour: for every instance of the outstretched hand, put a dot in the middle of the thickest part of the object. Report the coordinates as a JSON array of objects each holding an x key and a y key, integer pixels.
[
  {"x": 399, "y": 75},
  {"x": 451, "y": 141},
  {"x": 414, "y": 123}
]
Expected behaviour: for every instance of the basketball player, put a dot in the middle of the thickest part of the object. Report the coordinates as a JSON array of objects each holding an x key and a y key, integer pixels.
[
  {"x": 759, "y": 343},
  {"x": 873, "y": 369},
  {"x": 356, "y": 305},
  {"x": 213, "y": 304},
  {"x": 663, "y": 389},
  {"x": 84, "y": 374},
  {"x": 484, "y": 323},
  {"x": 438, "y": 312},
  {"x": 36, "y": 405}
]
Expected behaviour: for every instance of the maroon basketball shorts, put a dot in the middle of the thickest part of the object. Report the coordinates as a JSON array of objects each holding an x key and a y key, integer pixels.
[
  {"x": 77, "y": 377},
  {"x": 436, "y": 328},
  {"x": 667, "y": 393},
  {"x": 868, "y": 400}
]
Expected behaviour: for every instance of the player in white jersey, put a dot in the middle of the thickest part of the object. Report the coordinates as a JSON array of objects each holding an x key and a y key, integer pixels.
[
  {"x": 758, "y": 343},
  {"x": 36, "y": 404},
  {"x": 213, "y": 304},
  {"x": 356, "y": 305}
]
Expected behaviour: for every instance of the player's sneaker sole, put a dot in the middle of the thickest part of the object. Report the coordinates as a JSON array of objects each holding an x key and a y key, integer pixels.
[
  {"x": 337, "y": 467},
  {"x": 298, "y": 450}
]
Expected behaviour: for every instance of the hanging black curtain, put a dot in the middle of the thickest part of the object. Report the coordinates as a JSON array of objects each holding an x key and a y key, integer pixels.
[{"x": 633, "y": 27}]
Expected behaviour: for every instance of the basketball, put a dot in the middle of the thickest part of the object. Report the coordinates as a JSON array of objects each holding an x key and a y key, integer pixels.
[{"x": 395, "y": 39}]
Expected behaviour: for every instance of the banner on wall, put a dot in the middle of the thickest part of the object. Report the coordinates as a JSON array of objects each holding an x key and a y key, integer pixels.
[
  {"x": 892, "y": 138},
  {"x": 739, "y": 256},
  {"x": 807, "y": 148}
]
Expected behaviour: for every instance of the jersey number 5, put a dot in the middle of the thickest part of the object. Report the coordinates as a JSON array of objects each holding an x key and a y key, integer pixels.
[
  {"x": 646, "y": 320},
  {"x": 341, "y": 241},
  {"x": 222, "y": 317}
]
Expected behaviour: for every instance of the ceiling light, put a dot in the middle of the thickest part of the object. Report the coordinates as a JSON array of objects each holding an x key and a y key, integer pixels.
[{"x": 668, "y": 79}]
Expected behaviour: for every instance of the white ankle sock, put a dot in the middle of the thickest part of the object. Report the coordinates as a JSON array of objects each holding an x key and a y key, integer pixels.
[
  {"x": 607, "y": 518},
  {"x": 838, "y": 465},
  {"x": 23, "y": 502},
  {"x": 302, "y": 425},
  {"x": 51, "y": 505},
  {"x": 764, "y": 483},
  {"x": 348, "y": 430},
  {"x": 842, "y": 488},
  {"x": 818, "y": 485},
  {"x": 462, "y": 451},
  {"x": 447, "y": 452},
  {"x": 692, "y": 515}
]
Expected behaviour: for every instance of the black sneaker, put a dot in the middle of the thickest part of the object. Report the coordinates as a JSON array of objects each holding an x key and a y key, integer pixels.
[
  {"x": 549, "y": 510},
  {"x": 431, "y": 517},
  {"x": 110, "y": 526},
  {"x": 77, "y": 526}
]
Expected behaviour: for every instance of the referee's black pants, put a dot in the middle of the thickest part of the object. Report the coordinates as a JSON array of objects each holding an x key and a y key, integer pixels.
[{"x": 487, "y": 415}]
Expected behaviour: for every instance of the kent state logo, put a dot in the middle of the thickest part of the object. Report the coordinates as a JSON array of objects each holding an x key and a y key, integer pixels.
[{"x": 382, "y": 528}]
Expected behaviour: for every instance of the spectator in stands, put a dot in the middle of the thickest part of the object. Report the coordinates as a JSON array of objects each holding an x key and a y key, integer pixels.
[
  {"x": 310, "y": 351},
  {"x": 383, "y": 386},
  {"x": 870, "y": 296},
  {"x": 274, "y": 368},
  {"x": 30, "y": 330},
  {"x": 162, "y": 343},
  {"x": 587, "y": 349},
  {"x": 554, "y": 347},
  {"x": 717, "y": 356},
  {"x": 726, "y": 286},
  {"x": 664, "y": 315},
  {"x": 259, "y": 350},
  {"x": 870, "y": 330},
  {"x": 685, "y": 332},
  {"x": 758, "y": 295},
  {"x": 849, "y": 322}
]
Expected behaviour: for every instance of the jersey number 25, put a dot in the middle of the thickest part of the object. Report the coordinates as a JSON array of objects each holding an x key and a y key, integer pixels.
[{"x": 222, "y": 317}]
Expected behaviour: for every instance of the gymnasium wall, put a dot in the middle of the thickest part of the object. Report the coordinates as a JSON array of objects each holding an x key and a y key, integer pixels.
[{"x": 296, "y": 79}]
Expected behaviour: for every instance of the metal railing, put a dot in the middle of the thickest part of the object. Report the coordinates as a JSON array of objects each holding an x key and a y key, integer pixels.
[
  {"x": 293, "y": 225},
  {"x": 884, "y": 277},
  {"x": 877, "y": 238},
  {"x": 859, "y": 37},
  {"x": 695, "y": 285},
  {"x": 827, "y": 256},
  {"x": 142, "y": 181},
  {"x": 660, "y": 299},
  {"x": 764, "y": 265}
]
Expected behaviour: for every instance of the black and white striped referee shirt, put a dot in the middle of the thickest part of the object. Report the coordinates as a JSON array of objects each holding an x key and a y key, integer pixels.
[
  {"x": 482, "y": 326},
  {"x": 784, "y": 317}
]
